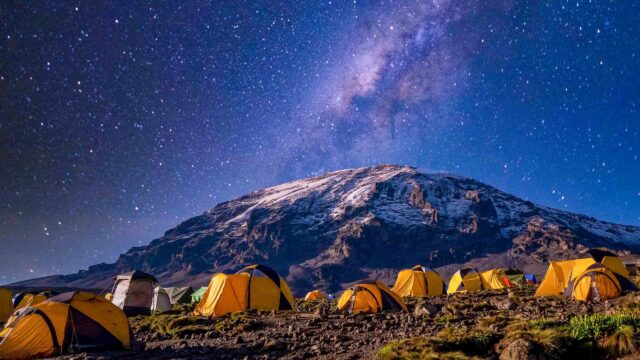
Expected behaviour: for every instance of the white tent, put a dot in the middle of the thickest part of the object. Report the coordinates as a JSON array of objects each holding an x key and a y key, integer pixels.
[
  {"x": 161, "y": 300},
  {"x": 165, "y": 297},
  {"x": 133, "y": 292}
]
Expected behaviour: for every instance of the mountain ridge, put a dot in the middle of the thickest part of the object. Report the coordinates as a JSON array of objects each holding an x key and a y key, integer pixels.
[{"x": 336, "y": 228}]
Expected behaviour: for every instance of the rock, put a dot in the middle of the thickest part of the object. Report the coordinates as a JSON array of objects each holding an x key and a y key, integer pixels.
[
  {"x": 421, "y": 310},
  {"x": 181, "y": 345},
  {"x": 322, "y": 311},
  {"x": 520, "y": 349},
  {"x": 505, "y": 304},
  {"x": 427, "y": 309},
  {"x": 274, "y": 345},
  {"x": 340, "y": 338}
]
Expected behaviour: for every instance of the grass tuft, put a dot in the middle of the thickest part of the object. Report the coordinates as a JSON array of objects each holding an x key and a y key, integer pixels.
[
  {"x": 595, "y": 326},
  {"x": 622, "y": 342},
  {"x": 417, "y": 348},
  {"x": 171, "y": 324},
  {"x": 474, "y": 342},
  {"x": 236, "y": 323}
]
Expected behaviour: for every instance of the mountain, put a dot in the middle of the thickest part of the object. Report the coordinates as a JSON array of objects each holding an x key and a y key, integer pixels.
[{"x": 330, "y": 230}]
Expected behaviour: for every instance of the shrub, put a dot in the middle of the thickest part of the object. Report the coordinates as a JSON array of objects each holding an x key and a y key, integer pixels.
[
  {"x": 417, "y": 348},
  {"x": 445, "y": 319},
  {"x": 313, "y": 305},
  {"x": 307, "y": 306},
  {"x": 548, "y": 336},
  {"x": 622, "y": 341},
  {"x": 552, "y": 342},
  {"x": 171, "y": 324},
  {"x": 413, "y": 348},
  {"x": 595, "y": 326},
  {"x": 488, "y": 321},
  {"x": 236, "y": 323},
  {"x": 475, "y": 342}
]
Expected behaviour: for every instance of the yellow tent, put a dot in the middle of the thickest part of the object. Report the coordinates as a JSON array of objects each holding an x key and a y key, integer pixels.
[
  {"x": 465, "y": 280},
  {"x": 494, "y": 279},
  {"x": 30, "y": 300},
  {"x": 254, "y": 287},
  {"x": 75, "y": 322},
  {"x": 109, "y": 296},
  {"x": 610, "y": 260},
  {"x": 370, "y": 297},
  {"x": 315, "y": 295},
  {"x": 419, "y": 281},
  {"x": 561, "y": 273},
  {"x": 595, "y": 283},
  {"x": 6, "y": 305}
]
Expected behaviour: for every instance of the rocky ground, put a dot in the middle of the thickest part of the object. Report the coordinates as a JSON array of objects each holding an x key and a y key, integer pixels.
[{"x": 506, "y": 324}]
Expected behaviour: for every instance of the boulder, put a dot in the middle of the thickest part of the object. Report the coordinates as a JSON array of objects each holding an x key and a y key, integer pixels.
[
  {"x": 505, "y": 304},
  {"x": 520, "y": 349}
]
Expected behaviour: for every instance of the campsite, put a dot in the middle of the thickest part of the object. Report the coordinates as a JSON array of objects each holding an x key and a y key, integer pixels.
[
  {"x": 319, "y": 179},
  {"x": 586, "y": 307}
]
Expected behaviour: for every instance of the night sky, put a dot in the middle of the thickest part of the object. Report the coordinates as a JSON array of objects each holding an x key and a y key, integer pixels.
[{"x": 120, "y": 119}]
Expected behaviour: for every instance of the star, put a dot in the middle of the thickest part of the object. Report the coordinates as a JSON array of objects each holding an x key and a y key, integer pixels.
[{"x": 204, "y": 102}]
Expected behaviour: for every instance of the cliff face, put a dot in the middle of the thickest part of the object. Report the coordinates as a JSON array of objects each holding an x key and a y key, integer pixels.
[{"x": 343, "y": 226}]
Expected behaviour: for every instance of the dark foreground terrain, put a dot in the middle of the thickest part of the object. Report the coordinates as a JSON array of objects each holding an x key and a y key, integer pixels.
[{"x": 487, "y": 325}]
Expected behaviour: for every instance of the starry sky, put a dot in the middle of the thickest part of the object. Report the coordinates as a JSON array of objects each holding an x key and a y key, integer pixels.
[{"x": 120, "y": 119}]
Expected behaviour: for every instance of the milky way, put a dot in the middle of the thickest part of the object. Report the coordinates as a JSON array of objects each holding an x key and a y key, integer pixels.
[{"x": 118, "y": 121}]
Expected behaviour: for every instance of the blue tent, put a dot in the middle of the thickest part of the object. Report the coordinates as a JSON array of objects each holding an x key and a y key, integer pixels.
[{"x": 530, "y": 278}]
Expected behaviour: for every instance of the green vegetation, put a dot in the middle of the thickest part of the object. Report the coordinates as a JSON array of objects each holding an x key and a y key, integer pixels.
[
  {"x": 311, "y": 306},
  {"x": 445, "y": 319},
  {"x": 448, "y": 344},
  {"x": 413, "y": 348},
  {"x": 176, "y": 325},
  {"x": 236, "y": 323},
  {"x": 171, "y": 324},
  {"x": 552, "y": 342},
  {"x": 417, "y": 348},
  {"x": 622, "y": 342},
  {"x": 475, "y": 342},
  {"x": 588, "y": 337},
  {"x": 490, "y": 321},
  {"x": 543, "y": 323},
  {"x": 592, "y": 327}
]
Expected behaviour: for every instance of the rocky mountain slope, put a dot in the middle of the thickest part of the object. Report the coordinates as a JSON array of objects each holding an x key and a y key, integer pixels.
[{"x": 331, "y": 230}]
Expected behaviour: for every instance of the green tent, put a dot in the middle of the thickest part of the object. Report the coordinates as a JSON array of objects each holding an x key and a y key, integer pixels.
[
  {"x": 198, "y": 294},
  {"x": 515, "y": 276},
  {"x": 516, "y": 279},
  {"x": 179, "y": 295}
]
